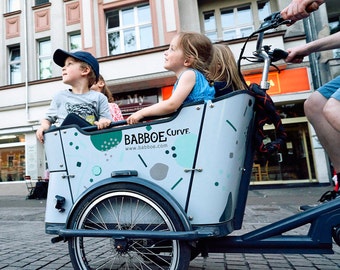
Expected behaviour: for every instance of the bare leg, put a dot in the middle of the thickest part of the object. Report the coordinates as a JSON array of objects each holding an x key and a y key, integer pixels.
[
  {"x": 328, "y": 136},
  {"x": 332, "y": 112}
]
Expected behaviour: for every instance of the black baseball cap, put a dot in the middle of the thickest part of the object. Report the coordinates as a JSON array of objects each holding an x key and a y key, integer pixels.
[{"x": 60, "y": 56}]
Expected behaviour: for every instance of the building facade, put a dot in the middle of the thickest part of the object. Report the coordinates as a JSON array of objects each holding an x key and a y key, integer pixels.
[{"x": 128, "y": 37}]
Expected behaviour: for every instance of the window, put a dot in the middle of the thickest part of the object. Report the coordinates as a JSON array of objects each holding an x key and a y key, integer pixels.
[
  {"x": 13, "y": 5},
  {"x": 334, "y": 26},
  {"x": 45, "y": 70},
  {"x": 10, "y": 160},
  {"x": 222, "y": 22},
  {"x": 336, "y": 53},
  {"x": 236, "y": 22},
  {"x": 41, "y": 2},
  {"x": 210, "y": 25},
  {"x": 22, "y": 160},
  {"x": 264, "y": 9},
  {"x": 14, "y": 65},
  {"x": 129, "y": 29},
  {"x": 74, "y": 42}
]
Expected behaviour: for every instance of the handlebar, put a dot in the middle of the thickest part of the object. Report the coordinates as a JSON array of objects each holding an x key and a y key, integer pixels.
[
  {"x": 272, "y": 21},
  {"x": 263, "y": 52}
]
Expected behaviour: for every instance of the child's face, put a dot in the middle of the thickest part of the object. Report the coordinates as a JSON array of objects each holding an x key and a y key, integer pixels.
[
  {"x": 72, "y": 71},
  {"x": 174, "y": 56}
]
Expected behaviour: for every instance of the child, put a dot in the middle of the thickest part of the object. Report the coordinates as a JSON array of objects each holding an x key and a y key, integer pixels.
[
  {"x": 223, "y": 71},
  {"x": 189, "y": 56},
  {"x": 101, "y": 87},
  {"x": 80, "y": 70}
]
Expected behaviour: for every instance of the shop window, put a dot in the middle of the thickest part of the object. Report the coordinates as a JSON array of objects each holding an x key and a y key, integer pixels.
[
  {"x": 10, "y": 161},
  {"x": 74, "y": 42},
  {"x": 22, "y": 160},
  {"x": 14, "y": 65},
  {"x": 290, "y": 110},
  {"x": 12, "y": 158},
  {"x": 294, "y": 161},
  {"x": 13, "y": 5},
  {"x": 129, "y": 29},
  {"x": 44, "y": 50},
  {"x": 131, "y": 102}
]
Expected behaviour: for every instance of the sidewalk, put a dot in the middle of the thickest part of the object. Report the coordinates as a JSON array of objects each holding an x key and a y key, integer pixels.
[
  {"x": 24, "y": 244},
  {"x": 13, "y": 188}
]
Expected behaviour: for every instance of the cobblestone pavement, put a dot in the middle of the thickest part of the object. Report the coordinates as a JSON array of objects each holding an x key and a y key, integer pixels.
[{"x": 24, "y": 244}]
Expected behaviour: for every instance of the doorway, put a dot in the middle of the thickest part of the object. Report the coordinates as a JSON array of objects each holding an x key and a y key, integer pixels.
[{"x": 293, "y": 163}]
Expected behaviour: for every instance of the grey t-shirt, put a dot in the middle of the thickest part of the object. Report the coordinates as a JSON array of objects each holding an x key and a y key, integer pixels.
[{"x": 91, "y": 106}]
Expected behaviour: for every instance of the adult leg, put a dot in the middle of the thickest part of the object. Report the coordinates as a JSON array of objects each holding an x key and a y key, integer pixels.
[
  {"x": 332, "y": 113},
  {"x": 327, "y": 135}
]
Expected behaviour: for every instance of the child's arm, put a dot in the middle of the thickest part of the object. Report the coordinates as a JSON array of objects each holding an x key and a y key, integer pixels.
[
  {"x": 45, "y": 125},
  {"x": 105, "y": 118},
  {"x": 183, "y": 89}
]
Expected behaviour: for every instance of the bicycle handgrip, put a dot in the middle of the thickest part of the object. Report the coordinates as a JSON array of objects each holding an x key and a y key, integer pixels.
[
  {"x": 278, "y": 54},
  {"x": 312, "y": 7}
]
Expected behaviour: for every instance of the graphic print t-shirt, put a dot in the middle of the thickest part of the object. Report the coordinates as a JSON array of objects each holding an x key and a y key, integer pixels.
[{"x": 91, "y": 106}]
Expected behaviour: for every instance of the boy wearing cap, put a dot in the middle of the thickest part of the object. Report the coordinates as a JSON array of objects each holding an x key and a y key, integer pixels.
[{"x": 80, "y": 70}]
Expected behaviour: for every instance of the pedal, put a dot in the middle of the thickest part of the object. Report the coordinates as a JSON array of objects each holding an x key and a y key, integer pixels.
[{"x": 57, "y": 239}]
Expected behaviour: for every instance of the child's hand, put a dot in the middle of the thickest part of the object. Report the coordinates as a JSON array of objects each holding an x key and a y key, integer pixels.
[
  {"x": 45, "y": 125},
  {"x": 134, "y": 118},
  {"x": 103, "y": 123},
  {"x": 40, "y": 134}
]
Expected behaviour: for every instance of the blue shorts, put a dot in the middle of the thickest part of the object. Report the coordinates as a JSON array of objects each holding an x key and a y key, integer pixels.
[{"x": 331, "y": 89}]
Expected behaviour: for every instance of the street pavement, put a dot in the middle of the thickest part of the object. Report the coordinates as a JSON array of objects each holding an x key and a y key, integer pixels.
[{"x": 24, "y": 244}]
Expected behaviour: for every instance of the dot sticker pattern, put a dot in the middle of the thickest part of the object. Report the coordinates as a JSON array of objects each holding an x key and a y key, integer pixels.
[
  {"x": 106, "y": 141},
  {"x": 173, "y": 148},
  {"x": 96, "y": 170}
]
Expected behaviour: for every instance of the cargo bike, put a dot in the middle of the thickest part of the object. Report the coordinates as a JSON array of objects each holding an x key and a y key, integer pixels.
[{"x": 157, "y": 194}]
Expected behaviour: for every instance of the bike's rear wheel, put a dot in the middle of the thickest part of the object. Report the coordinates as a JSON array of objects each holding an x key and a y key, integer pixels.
[{"x": 126, "y": 207}]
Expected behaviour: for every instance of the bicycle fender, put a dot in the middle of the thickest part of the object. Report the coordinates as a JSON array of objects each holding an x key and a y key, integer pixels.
[{"x": 137, "y": 181}]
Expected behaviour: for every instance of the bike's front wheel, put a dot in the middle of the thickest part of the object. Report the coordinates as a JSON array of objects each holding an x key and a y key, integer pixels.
[{"x": 126, "y": 207}]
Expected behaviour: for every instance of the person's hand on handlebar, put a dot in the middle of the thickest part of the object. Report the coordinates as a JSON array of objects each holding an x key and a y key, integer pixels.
[
  {"x": 296, "y": 55},
  {"x": 300, "y": 9}
]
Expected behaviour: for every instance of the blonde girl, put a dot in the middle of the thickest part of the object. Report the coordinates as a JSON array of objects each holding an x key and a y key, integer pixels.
[
  {"x": 188, "y": 56},
  {"x": 223, "y": 71}
]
